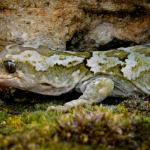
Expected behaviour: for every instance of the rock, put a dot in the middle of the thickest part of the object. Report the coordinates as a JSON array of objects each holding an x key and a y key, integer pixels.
[
  {"x": 98, "y": 6},
  {"x": 127, "y": 30},
  {"x": 49, "y": 23},
  {"x": 74, "y": 24},
  {"x": 107, "y": 5}
]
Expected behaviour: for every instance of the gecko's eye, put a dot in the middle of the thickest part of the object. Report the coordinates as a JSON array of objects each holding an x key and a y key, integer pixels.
[{"x": 10, "y": 66}]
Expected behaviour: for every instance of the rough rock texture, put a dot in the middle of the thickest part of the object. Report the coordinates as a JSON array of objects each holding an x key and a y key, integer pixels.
[
  {"x": 75, "y": 24},
  {"x": 116, "y": 31}
]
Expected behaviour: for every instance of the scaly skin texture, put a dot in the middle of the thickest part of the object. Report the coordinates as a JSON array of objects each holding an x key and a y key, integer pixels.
[{"x": 121, "y": 72}]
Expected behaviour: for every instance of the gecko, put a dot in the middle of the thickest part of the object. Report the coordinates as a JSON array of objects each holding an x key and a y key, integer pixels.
[{"x": 121, "y": 72}]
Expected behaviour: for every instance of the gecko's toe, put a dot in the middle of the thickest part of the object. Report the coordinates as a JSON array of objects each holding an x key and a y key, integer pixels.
[{"x": 58, "y": 108}]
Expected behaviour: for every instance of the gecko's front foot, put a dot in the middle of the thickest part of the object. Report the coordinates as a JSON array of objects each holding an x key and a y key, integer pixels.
[
  {"x": 67, "y": 106},
  {"x": 58, "y": 108}
]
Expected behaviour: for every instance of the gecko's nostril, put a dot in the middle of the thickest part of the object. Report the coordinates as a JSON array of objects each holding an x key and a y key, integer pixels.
[{"x": 10, "y": 66}]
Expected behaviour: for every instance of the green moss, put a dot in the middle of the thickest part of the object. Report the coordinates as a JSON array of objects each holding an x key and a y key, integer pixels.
[
  {"x": 127, "y": 126},
  {"x": 138, "y": 106},
  {"x": 3, "y": 116}
]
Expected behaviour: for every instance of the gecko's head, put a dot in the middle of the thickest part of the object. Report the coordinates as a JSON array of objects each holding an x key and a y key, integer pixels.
[
  {"x": 10, "y": 74},
  {"x": 36, "y": 70},
  {"x": 15, "y": 73}
]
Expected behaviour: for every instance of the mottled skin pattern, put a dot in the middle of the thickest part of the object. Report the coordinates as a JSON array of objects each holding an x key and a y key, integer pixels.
[{"x": 97, "y": 75}]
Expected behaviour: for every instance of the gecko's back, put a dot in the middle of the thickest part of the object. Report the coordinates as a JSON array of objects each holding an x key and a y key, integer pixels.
[{"x": 125, "y": 65}]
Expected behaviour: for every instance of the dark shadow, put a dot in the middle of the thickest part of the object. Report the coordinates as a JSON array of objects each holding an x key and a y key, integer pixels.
[
  {"x": 113, "y": 101},
  {"x": 21, "y": 101},
  {"x": 116, "y": 43},
  {"x": 20, "y": 96}
]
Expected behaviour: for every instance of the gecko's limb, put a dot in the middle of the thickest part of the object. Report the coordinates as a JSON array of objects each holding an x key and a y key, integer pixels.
[{"x": 96, "y": 91}]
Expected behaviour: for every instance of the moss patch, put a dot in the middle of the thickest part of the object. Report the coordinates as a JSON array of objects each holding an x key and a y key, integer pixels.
[{"x": 29, "y": 126}]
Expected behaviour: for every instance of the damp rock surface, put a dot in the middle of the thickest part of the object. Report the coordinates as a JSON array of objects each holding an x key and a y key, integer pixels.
[{"x": 74, "y": 25}]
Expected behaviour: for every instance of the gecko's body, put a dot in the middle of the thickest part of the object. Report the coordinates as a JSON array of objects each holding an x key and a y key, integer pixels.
[{"x": 121, "y": 72}]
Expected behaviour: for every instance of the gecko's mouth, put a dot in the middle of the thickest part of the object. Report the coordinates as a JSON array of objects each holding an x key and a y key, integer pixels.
[
  {"x": 7, "y": 77},
  {"x": 4, "y": 79},
  {"x": 8, "y": 81}
]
